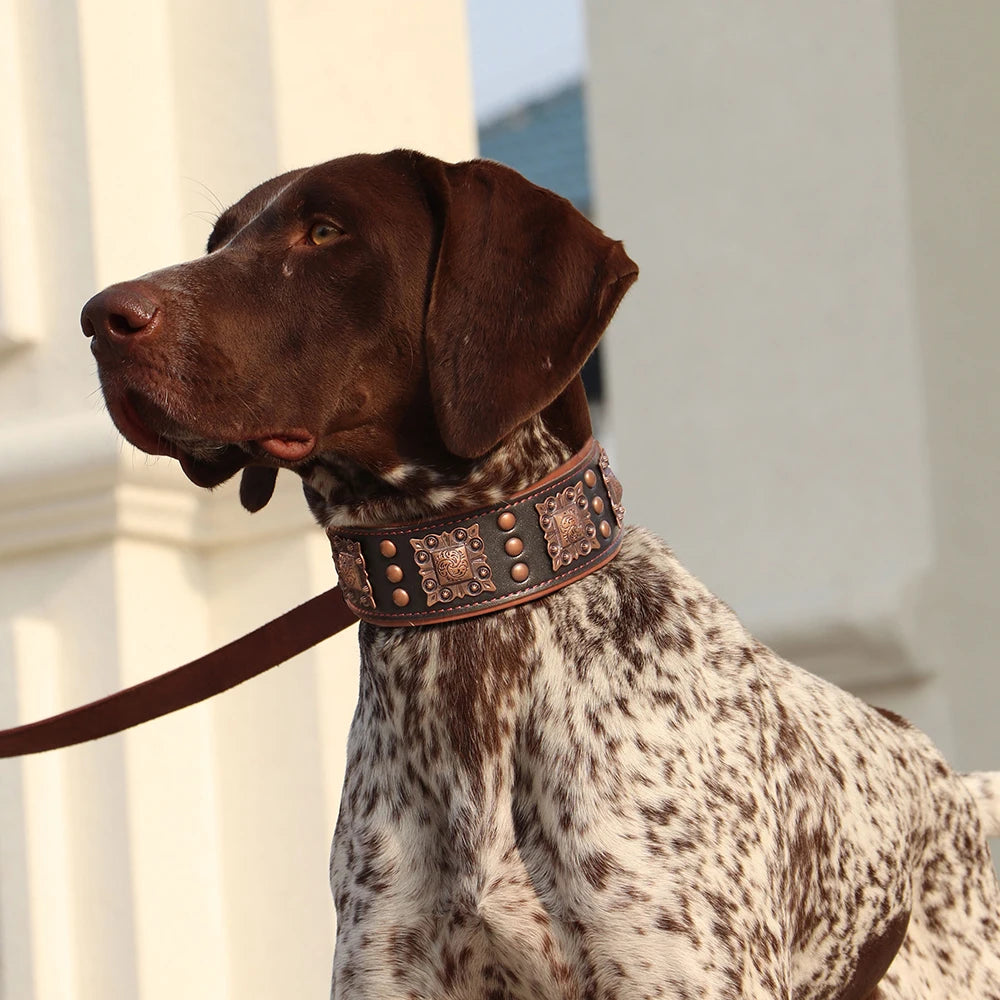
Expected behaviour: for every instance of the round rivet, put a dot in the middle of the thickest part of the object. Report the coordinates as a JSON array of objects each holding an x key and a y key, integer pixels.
[
  {"x": 589, "y": 477},
  {"x": 513, "y": 546},
  {"x": 519, "y": 572},
  {"x": 506, "y": 521},
  {"x": 393, "y": 573},
  {"x": 604, "y": 528},
  {"x": 598, "y": 504},
  {"x": 387, "y": 549},
  {"x": 400, "y": 597}
]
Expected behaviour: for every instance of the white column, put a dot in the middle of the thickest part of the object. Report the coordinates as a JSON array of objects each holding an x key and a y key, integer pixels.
[
  {"x": 66, "y": 855},
  {"x": 20, "y": 294},
  {"x": 948, "y": 57},
  {"x": 396, "y": 76},
  {"x": 36, "y": 858},
  {"x": 802, "y": 382},
  {"x": 189, "y": 857}
]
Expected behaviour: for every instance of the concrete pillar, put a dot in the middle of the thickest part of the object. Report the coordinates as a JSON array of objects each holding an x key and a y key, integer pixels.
[
  {"x": 803, "y": 382},
  {"x": 951, "y": 99},
  {"x": 189, "y": 857}
]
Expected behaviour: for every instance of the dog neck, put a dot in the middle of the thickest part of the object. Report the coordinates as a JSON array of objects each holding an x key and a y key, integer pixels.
[
  {"x": 343, "y": 492},
  {"x": 516, "y": 548},
  {"x": 422, "y": 479}
]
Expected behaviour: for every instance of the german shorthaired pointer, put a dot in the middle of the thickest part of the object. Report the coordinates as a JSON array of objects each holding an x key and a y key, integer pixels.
[{"x": 611, "y": 791}]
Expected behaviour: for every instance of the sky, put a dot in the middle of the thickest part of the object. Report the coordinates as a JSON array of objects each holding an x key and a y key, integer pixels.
[{"x": 523, "y": 49}]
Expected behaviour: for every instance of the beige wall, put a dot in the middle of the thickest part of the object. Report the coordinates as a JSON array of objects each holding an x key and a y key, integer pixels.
[
  {"x": 189, "y": 857},
  {"x": 804, "y": 381},
  {"x": 948, "y": 60}
]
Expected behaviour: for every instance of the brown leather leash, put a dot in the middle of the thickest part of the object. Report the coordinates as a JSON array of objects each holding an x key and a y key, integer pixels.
[
  {"x": 543, "y": 538},
  {"x": 252, "y": 654}
]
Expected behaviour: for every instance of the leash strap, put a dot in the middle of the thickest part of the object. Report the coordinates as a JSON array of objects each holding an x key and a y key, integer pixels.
[
  {"x": 557, "y": 531},
  {"x": 218, "y": 671}
]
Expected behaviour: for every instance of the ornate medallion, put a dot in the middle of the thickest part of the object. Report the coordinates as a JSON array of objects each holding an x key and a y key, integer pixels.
[
  {"x": 567, "y": 525},
  {"x": 452, "y": 565},
  {"x": 613, "y": 486},
  {"x": 350, "y": 565}
]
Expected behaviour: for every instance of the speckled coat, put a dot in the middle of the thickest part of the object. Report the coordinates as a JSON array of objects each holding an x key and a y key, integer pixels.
[{"x": 614, "y": 792}]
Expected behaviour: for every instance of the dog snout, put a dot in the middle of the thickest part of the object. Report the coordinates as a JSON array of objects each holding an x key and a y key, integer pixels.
[{"x": 120, "y": 313}]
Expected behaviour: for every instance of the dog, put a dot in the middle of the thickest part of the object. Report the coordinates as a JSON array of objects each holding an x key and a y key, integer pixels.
[{"x": 610, "y": 791}]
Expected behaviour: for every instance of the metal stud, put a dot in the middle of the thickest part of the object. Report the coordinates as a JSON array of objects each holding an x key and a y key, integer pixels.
[
  {"x": 566, "y": 523},
  {"x": 598, "y": 504},
  {"x": 590, "y": 477},
  {"x": 605, "y": 529},
  {"x": 506, "y": 521},
  {"x": 393, "y": 573},
  {"x": 400, "y": 597},
  {"x": 387, "y": 549},
  {"x": 513, "y": 546},
  {"x": 519, "y": 572}
]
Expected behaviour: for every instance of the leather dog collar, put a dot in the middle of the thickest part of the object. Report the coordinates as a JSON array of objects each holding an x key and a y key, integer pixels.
[{"x": 485, "y": 560}]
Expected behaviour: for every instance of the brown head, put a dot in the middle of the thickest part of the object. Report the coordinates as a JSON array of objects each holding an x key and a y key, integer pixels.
[{"x": 380, "y": 309}]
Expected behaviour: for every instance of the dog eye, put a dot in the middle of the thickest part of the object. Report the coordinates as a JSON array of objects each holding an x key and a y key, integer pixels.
[{"x": 323, "y": 232}]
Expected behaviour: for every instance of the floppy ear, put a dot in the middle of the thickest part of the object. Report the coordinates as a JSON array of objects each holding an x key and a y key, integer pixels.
[{"x": 523, "y": 288}]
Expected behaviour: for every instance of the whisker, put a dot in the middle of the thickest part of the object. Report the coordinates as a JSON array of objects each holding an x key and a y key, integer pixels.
[{"x": 209, "y": 195}]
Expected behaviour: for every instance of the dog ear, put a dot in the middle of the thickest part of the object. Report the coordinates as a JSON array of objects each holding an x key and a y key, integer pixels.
[
  {"x": 523, "y": 288},
  {"x": 257, "y": 486}
]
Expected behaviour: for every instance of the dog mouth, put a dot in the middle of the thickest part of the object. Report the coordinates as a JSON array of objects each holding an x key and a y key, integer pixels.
[
  {"x": 207, "y": 463},
  {"x": 137, "y": 430}
]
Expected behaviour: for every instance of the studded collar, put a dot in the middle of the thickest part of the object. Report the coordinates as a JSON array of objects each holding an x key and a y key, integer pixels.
[{"x": 484, "y": 560}]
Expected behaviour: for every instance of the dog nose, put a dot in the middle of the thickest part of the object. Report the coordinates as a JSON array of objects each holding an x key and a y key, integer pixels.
[{"x": 119, "y": 312}]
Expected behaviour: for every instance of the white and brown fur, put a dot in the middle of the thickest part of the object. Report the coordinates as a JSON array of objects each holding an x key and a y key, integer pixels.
[
  {"x": 616, "y": 792},
  {"x": 611, "y": 793}
]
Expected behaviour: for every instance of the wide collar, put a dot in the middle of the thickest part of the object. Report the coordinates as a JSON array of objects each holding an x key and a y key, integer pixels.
[{"x": 481, "y": 561}]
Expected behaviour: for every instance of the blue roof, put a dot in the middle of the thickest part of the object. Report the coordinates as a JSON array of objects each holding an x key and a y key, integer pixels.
[{"x": 546, "y": 140}]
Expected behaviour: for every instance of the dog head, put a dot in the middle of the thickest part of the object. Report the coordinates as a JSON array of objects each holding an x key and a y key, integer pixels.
[{"x": 383, "y": 309}]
